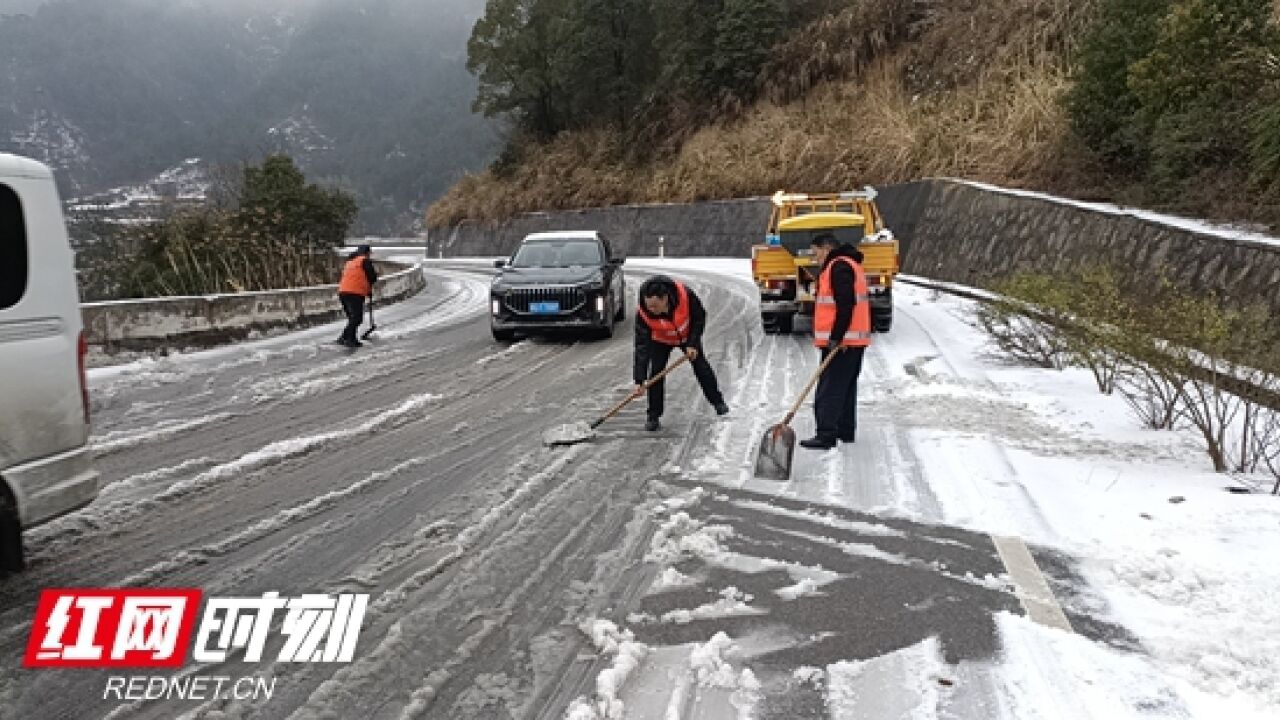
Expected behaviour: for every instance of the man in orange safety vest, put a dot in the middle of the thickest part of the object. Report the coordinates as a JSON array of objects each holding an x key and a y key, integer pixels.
[
  {"x": 670, "y": 316},
  {"x": 841, "y": 324},
  {"x": 358, "y": 277}
]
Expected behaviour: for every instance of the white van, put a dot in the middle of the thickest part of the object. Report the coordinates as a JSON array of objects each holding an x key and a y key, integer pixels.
[{"x": 45, "y": 462}]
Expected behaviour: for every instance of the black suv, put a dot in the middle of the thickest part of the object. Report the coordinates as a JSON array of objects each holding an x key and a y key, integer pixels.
[{"x": 558, "y": 281}]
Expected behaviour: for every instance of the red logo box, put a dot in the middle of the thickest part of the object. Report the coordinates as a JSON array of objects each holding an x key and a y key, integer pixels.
[{"x": 112, "y": 627}]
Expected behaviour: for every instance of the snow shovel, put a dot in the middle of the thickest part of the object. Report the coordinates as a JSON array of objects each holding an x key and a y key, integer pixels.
[
  {"x": 580, "y": 431},
  {"x": 372, "y": 325},
  {"x": 773, "y": 462}
]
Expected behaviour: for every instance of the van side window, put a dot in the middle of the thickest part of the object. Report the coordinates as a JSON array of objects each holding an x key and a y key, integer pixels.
[{"x": 13, "y": 249}]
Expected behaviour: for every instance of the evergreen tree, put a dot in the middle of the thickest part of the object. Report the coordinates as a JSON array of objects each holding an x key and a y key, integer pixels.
[
  {"x": 613, "y": 61},
  {"x": 745, "y": 32},
  {"x": 1197, "y": 86},
  {"x": 276, "y": 201},
  {"x": 518, "y": 52},
  {"x": 1101, "y": 105}
]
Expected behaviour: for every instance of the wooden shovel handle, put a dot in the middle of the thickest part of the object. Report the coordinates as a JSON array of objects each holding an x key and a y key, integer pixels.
[
  {"x": 648, "y": 384},
  {"x": 812, "y": 381}
]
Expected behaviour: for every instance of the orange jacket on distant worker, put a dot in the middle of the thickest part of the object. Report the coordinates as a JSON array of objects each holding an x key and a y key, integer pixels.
[{"x": 356, "y": 277}]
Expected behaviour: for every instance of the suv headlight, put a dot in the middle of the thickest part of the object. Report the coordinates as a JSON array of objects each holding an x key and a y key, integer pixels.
[{"x": 496, "y": 305}]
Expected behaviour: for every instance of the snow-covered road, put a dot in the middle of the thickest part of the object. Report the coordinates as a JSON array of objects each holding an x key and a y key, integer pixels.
[{"x": 650, "y": 575}]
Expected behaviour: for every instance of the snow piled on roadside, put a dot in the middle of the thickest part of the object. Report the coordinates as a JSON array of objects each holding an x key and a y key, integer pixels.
[
  {"x": 853, "y": 684},
  {"x": 710, "y": 667},
  {"x": 1201, "y": 227},
  {"x": 1166, "y": 552},
  {"x": 732, "y": 603},
  {"x": 627, "y": 655},
  {"x": 681, "y": 536}
]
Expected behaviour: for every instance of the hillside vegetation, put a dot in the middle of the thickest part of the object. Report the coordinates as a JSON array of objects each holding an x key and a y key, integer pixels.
[
  {"x": 1172, "y": 105},
  {"x": 371, "y": 96}
]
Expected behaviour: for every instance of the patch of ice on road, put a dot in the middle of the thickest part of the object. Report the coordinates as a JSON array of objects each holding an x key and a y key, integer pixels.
[
  {"x": 264, "y": 527},
  {"x": 154, "y": 477},
  {"x": 748, "y": 695},
  {"x": 568, "y": 434},
  {"x": 824, "y": 518},
  {"x": 115, "y": 513},
  {"x": 672, "y": 579},
  {"x": 684, "y": 501},
  {"x": 711, "y": 668},
  {"x": 295, "y": 447},
  {"x": 807, "y": 587},
  {"x": 902, "y": 685},
  {"x": 681, "y": 536},
  {"x": 627, "y": 655},
  {"x": 708, "y": 664},
  {"x": 114, "y": 442},
  {"x": 732, "y": 603},
  {"x": 809, "y": 675},
  {"x": 515, "y": 349}
]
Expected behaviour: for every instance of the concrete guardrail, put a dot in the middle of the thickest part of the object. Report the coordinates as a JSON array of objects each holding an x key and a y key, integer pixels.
[{"x": 202, "y": 321}]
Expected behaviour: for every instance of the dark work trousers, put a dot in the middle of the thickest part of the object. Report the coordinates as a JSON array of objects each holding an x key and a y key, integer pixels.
[
  {"x": 659, "y": 354},
  {"x": 353, "y": 306},
  {"x": 836, "y": 406}
]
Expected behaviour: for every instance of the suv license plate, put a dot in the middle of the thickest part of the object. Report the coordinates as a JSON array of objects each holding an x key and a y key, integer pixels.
[{"x": 544, "y": 308}]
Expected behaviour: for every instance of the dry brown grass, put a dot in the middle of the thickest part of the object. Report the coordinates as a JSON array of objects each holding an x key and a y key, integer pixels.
[{"x": 927, "y": 89}]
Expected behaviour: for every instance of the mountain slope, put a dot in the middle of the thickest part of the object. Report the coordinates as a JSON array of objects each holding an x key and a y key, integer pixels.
[{"x": 373, "y": 96}]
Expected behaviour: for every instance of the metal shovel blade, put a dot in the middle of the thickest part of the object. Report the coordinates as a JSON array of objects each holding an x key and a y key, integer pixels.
[
  {"x": 773, "y": 462},
  {"x": 570, "y": 434}
]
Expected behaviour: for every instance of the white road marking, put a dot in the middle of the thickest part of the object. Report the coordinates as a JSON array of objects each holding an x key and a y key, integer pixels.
[{"x": 1033, "y": 589}]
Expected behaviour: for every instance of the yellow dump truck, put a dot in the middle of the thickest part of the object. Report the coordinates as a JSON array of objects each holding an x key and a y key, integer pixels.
[{"x": 786, "y": 270}]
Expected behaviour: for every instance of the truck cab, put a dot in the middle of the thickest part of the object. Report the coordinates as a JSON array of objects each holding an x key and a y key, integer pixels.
[
  {"x": 786, "y": 271},
  {"x": 45, "y": 460}
]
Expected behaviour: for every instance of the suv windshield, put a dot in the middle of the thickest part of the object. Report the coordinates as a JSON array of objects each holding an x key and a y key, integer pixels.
[{"x": 557, "y": 253}]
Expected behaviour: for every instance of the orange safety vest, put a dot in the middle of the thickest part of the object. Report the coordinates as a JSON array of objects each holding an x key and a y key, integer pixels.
[
  {"x": 824, "y": 309},
  {"x": 354, "y": 281},
  {"x": 674, "y": 331}
]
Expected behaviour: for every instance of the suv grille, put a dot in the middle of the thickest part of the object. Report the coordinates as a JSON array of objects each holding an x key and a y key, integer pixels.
[{"x": 570, "y": 298}]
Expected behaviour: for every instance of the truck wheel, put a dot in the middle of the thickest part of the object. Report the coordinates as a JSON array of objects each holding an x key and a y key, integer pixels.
[
  {"x": 785, "y": 323},
  {"x": 11, "y": 560},
  {"x": 621, "y": 314},
  {"x": 882, "y": 321}
]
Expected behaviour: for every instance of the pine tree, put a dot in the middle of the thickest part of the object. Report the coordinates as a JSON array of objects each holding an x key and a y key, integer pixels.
[
  {"x": 1197, "y": 87},
  {"x": 517, "y": 51},
  {"x": 1101, "y": 104},
  {"x": 745, "y": 32}
]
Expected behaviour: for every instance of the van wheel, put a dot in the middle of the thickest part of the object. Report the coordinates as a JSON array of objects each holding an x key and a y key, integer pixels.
[{"x": 11, "y": 560}]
